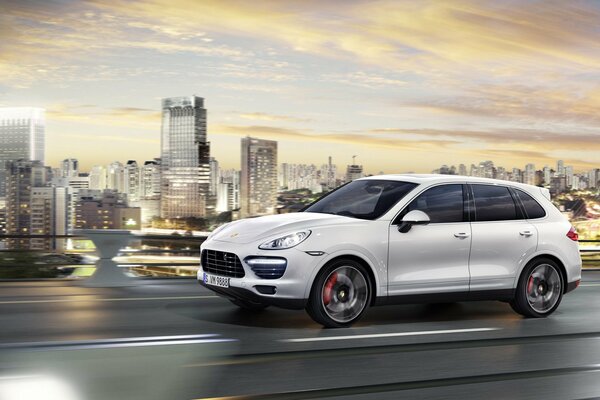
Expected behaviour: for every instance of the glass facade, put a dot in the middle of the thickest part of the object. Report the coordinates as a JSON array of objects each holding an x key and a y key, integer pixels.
[
  {"x": 258, "y": 189},
  {"x": 185, "y": 155},
  {"x": 22, "y": 136}
]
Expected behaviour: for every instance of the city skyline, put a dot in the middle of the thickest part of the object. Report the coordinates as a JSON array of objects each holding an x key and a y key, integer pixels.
[{"x": 401, "y": 84}]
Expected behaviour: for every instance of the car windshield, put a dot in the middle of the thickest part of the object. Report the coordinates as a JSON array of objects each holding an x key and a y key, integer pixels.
[{"x": 365, "y": 199}]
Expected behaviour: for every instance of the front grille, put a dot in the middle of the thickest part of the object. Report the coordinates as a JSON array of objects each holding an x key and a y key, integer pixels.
[{"x": 222, "y": 264}]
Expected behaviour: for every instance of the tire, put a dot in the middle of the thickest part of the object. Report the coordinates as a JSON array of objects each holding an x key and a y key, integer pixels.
[
  {"x": 540, "y": 289},
  {"x": 249, "y": 306},
  {"x": 340, "y": 294}
]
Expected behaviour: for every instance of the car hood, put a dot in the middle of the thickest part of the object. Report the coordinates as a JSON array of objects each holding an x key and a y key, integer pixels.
[{"x": 256, "y": 229}]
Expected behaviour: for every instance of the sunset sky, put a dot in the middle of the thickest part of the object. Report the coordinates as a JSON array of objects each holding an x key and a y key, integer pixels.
[{"x": 406, "y": 86}]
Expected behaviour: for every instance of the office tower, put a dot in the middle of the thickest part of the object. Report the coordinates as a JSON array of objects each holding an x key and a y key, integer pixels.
[
  {"x": 69, "y": 168},
  {"x": 185, "y": 154},
  {"x": 593, "y": 178},
  {"x": 105, "y": 209},
  {"x": 50, "y": 215},
  {"x": 98, "y": 177},
  {"x": 150, "y": 179},
  {"x": 517, "y": 175},
  {"x": 502, "y": 174},
  {"x": 22, "y": 136},
  {"x": 328, "y": 175},
  {"x": 462, "y": 169},
  {"x": 301, "y": 176},
  {"x": 529, "y": 175},
  {"x": 354, "y": 171},
  {"x": 132, "y": 181},
  {"x": 115, "y": 177},
  {"x": 259, "y": 177},
  {"x": 214, "y": 176},
  {"x": 569, "y": 175},
  {"x": 23, "y": 176},
  {"x": 560, "y": 168},
  {"x": 547, "y": 175},
  {"x": 231, "y": 178}
]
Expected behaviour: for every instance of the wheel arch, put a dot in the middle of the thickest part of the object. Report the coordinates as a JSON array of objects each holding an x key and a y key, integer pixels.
[
  {"x": 561, "y": 267},
  {"x": 372, "y": 276}
]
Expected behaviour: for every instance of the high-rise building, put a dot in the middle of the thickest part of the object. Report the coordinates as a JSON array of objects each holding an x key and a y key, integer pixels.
[
  {"x": 69, "y": 168},
  {"x": 354, "y": 172},
  {"x": 23, "y": 176},
  {"x": 594, "y": 178},
  {"x": 50, "y": 215},
  {"x": 569, "y": 175},
  {"x": 560, "y": 168},
  {"x": 132, "y": 181},
  {"x": 115, "y": 177},
  {"x": 150, "y": 179},
  {"x": 547, "y": 175},
  {"x": 462, "y": 170},
  {"x": 259, "y": 177},
  {"x": 22, "y": 137},
  {"x": 529, "y": 175},
  {"x": 98, "y": 177},
  {"x": 214, "y": 176},
  {"x": 228, "y": 190},
  {"x": 185, "y": 154}
]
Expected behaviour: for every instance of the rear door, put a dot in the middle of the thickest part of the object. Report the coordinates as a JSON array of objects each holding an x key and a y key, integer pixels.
[{"x": 502, "y": 238}]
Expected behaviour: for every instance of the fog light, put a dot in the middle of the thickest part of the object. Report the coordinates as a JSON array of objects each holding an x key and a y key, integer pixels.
[{"x": 267, "y": 267}]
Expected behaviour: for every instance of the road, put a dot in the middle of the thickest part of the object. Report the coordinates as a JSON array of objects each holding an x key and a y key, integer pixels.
[{"x": 172, "y": 339}]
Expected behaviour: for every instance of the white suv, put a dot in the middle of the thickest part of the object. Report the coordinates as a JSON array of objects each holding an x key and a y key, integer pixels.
[{"x": 399, "y": 239}]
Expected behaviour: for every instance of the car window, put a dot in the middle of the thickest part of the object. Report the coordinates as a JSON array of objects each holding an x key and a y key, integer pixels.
[
  {"x": 493, "y": 203},
  {"x": 365, "y": 199},
  {"x": 441, "y": 203},
  {"x": 533, "y": 209}
]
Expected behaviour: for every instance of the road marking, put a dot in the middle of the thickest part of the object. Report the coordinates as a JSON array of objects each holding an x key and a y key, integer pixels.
[
  {"x": 120, "y": 342},
  {"x": 110, "y": 299},
  {"x": 590, "y": 284},
  {"x": 387, "y": 335}
]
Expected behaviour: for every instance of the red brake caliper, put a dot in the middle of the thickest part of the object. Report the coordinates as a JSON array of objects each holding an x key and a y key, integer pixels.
[
  {"x": 530, "y": 284},
  {"x": 329, "y": 288}
]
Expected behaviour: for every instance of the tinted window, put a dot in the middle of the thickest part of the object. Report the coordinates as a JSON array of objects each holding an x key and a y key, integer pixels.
[
  {"x": 493, "y": 203},
  {"x": 366, "y": 199},
  {"x": 441, "y": 203},
  {"x": 532, "y": 207}
]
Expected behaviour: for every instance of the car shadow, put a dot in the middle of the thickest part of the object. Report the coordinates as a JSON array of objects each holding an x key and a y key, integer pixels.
[{"x": 223, "y": 312}]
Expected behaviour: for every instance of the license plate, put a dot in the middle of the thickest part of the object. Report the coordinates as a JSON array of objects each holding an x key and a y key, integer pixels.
[{"x": 214, "y": 280}]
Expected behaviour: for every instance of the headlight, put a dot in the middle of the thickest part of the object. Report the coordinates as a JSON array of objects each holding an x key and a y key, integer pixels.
[
  {"x": 285, "y": 242},
  {"x": 213, "y": 233}
]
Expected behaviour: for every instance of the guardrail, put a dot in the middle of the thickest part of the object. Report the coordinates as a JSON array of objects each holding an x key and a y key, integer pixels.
[{"x": 154, "y": 255}]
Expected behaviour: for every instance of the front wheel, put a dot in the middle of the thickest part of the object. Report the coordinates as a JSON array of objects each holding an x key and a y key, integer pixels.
[
  {"x": 340, "y": 294},
  {"x": 539, "y": 290}
]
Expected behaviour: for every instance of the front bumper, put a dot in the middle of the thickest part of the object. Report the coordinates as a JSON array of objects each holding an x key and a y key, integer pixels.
[{"x": 290, "y": 291}]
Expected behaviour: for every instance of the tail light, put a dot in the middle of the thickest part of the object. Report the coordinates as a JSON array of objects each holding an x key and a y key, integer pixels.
[{"x": 573, "y": 235}]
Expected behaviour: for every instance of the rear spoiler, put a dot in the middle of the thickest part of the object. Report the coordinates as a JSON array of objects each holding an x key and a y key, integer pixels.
[{"x": 545, "y": 193}]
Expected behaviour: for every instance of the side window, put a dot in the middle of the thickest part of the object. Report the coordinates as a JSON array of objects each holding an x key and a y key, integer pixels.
[
  {"x": 493, "y": 203},
  {"x": 442, "y": 203},
  {"x": 532, "y": 207}
]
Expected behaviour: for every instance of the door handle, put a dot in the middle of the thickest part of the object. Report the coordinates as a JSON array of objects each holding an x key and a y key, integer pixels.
[
  {"x": 526, "y": 233},
  {"x": 461, "y": 235}
]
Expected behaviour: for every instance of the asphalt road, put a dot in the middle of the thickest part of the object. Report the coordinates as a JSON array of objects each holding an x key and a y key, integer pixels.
[{"x": 172, "y": 339}]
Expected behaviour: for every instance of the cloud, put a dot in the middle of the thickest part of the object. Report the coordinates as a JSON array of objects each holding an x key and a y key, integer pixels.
[{"x": 260, "y": 116}]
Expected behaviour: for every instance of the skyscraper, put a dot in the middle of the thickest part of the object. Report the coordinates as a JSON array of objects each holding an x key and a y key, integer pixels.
[
  {"x": 258, "y": 186},
  {"x": 69, "y": 168},
  {"x": 23, "y": 176},
  {"x": 22, "y": 136},
  {"x": 185, "y": 154},
  {"x": 529, "y": 176}
]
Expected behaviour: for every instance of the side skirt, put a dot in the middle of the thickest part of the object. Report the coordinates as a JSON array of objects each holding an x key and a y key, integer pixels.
[{"x": 501, "y": 294}]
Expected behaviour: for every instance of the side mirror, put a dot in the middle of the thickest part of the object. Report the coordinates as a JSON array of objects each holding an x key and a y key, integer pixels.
[{"x": 414, "y": 217}]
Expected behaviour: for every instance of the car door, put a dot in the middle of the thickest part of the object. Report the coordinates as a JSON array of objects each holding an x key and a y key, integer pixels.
[
  {"x": 432, "y": 258},
  {"x": 502, "y": 238}
]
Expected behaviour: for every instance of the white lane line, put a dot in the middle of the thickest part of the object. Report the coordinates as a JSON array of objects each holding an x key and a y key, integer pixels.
[
  {"x": 110, "y": 299},
  {"x": 387, "y": 335},
  {"x": 590, "y": 284},
  {"x": 121, "y": 342}
]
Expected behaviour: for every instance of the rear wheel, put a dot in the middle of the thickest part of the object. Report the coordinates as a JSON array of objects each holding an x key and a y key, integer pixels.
[
  {"x": 340, "y": 294},
  {"x": 540, "y": 289},
  {"x": 249, "y": 306}
]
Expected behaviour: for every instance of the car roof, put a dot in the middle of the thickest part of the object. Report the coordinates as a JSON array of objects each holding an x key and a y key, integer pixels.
[{"x": 440, "y": 178}]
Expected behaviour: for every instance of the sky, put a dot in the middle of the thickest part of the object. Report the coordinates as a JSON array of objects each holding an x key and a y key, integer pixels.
[{"x": 403, "y": 85}]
